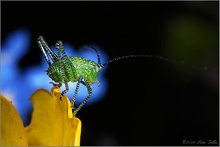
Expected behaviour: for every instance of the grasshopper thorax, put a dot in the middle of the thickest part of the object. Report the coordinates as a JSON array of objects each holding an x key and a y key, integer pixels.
[{"x": 87, "y": 69}]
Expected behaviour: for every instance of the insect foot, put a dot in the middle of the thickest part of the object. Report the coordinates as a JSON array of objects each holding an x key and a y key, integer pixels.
[
  {"x": 56, "y": 85},
  {"x": 63, "y": 93}
]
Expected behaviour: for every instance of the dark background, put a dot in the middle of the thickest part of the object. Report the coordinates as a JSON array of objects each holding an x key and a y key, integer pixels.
[{"x": 148, "y": 102}]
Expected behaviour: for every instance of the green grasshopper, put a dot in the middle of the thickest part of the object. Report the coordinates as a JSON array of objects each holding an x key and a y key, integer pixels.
[{"x": 77, "y": 69}]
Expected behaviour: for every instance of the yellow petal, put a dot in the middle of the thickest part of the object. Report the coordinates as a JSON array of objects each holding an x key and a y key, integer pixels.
[
  {"x": 12, "y": 128},
  {"x": 52, "y": 120}
]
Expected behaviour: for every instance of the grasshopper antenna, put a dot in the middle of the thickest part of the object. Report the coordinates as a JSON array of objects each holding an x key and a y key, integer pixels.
[
  {"x": 142, "y": 56},
  {"x": 204, "y": 68},
  {"x": 97, "y": 52}
]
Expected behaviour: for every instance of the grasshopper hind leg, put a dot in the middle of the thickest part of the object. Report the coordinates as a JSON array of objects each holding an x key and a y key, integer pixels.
[{"x": 86, "y": 99}]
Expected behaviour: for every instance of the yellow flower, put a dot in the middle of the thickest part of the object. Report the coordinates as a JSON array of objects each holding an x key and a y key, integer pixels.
[
  {"x": 52, "y": 122},
  {"x": 12, "y": 128}
]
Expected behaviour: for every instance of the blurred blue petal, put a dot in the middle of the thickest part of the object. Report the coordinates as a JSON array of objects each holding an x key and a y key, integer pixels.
[
  {"x": 13, "y": 48},
  {"x": 16, "y": 45}
]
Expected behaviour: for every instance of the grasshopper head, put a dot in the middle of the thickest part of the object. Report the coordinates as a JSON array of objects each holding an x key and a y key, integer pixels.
[{"x": 93, "y": 75}]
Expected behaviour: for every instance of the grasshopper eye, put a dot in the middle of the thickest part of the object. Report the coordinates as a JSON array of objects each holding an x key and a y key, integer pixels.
[{"x": 96, "y": 69}]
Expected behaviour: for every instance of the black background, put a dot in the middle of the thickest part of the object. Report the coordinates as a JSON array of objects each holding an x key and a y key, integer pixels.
[{"x": 147, "y": 102}]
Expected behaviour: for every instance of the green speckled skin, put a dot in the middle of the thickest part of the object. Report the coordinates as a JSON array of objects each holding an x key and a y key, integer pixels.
[{"x": 74, "y": 67}]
